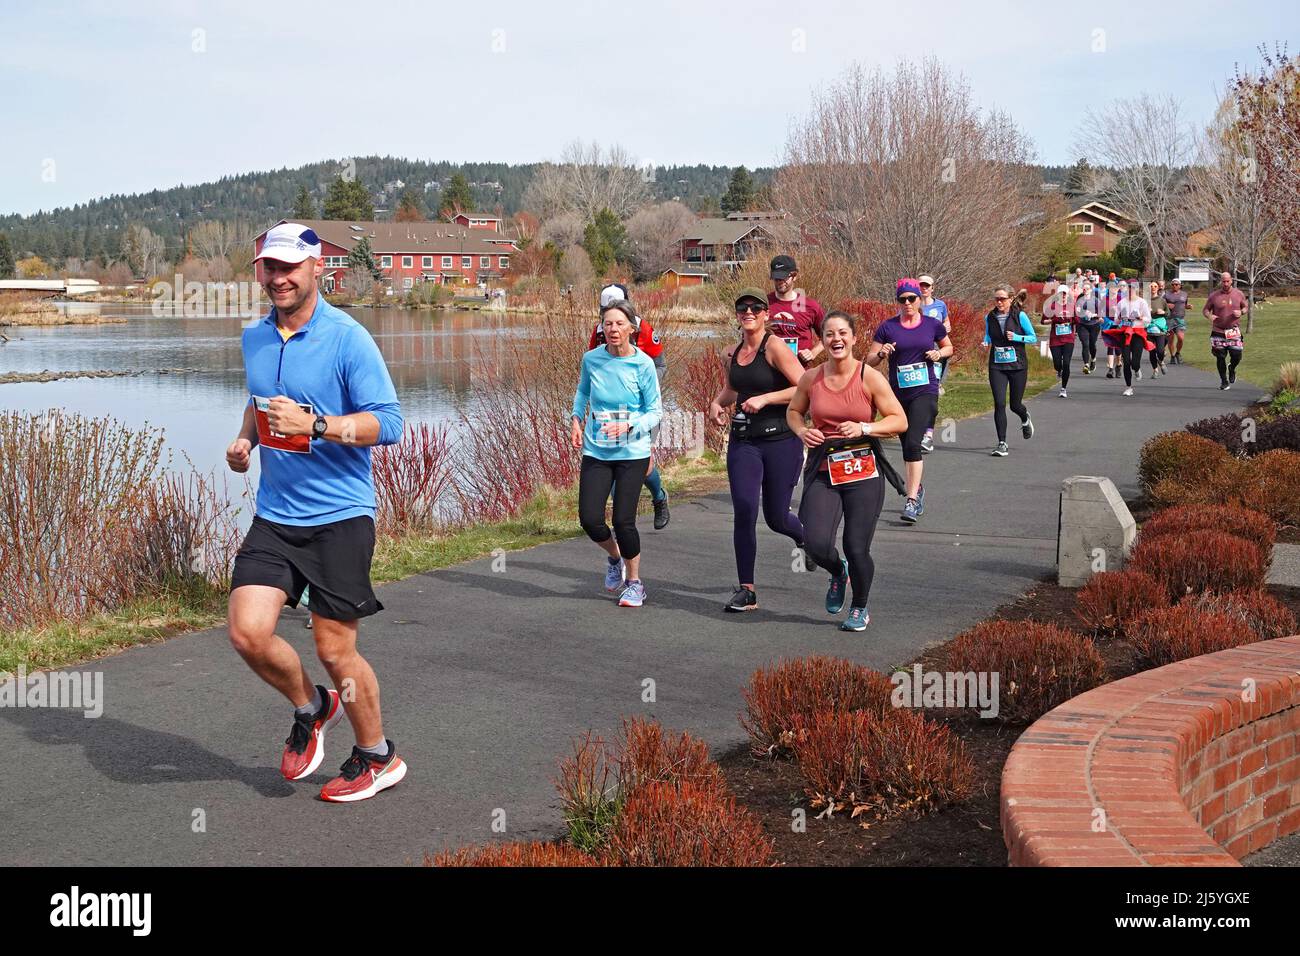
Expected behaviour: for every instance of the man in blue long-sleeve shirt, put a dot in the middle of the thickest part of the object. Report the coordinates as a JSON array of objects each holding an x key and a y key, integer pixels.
[{"x": 319, "y": 397}]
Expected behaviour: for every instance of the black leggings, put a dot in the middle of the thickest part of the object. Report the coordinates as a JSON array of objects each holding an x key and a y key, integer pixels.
[
  {"x": 820, "y": 510},
  {"x": 594, "y": 483},
  {"x": 920, "y": 411},
  {"x": 1132, "y": 357},
  {"x": 1000, "y": 381},
  {"x": 1061, "y": 355},
  {"x": 1158, "y": 353},
  {"x": 1223, "y": 357},
  {"x": 766, "y": 469},
  {"x": 1088, "y": 342}
]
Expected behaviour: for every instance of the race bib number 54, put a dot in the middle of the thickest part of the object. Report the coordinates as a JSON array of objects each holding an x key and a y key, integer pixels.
[{"x": 851, "y": 465}]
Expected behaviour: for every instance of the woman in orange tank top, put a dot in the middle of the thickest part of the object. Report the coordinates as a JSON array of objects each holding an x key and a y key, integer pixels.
[{"x": 843, "y": 397}]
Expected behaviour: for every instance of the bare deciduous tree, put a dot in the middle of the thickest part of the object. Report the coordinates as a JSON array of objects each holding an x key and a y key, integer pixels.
[
  {"x": 562, "y": 231},
  {"x": 653, "y": 232},
  {"x": 1147, "y": 146},
  {"x": 220, "y": 244},
  {"x": 901, "y": 174},
  {"x": 1231, "y": 203},
  {"x": 1269, "y": 108},
  {"x": 586, "y": 180}
]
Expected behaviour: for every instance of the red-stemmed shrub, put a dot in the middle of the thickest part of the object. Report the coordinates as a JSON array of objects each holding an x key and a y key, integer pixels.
[
  {"x": 411, "y": 479},
  {"x": 1167, "y": 634},
  {"x": 1201, "y": 561},
  {"x": 1232, "y": 519},
  {"x": 1181, "y": 457},
  {"x": 1111, "y": 599},
  {"x": 1274, "y": 487},
  {"x": 663, "y": 824},
  {"x": 697, "y": 376},
  {"x": 1038, "y": 665},
  {"x": 778, "y": 696},
  {"x": 1264, "y": 614},
  {"x": 899, "y": 763},
  {"x": 649, "y": 754},
  {"x": 513, "y": 854}
]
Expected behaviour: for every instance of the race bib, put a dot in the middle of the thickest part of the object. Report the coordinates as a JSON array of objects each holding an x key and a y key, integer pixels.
[
  {"x": 1062, "y": 328},
  {"x": 793, "y": 343},
  {"x": 910, "y": 376},
  {"x": 298, "y": 444},
  {"x": 851, "y": 465},
  {"x": 599, "y": 419},
  {"x": 1003, "y": 354},
  {"x": 1232, "y": 334}
]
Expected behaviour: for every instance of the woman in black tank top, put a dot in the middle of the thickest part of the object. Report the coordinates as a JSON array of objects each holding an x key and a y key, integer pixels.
[{"x": 764, "y": 457}]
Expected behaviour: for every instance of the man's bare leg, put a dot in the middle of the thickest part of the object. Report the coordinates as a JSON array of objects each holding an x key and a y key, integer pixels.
[
  {"x": 253, "y": 612},
  {"x": 336, "y": 645}
]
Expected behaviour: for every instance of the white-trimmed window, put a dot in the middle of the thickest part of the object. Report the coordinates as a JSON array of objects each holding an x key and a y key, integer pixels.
[
  {"x": 446, "y": 262},
  {"x": 385, "y": 262},
  {"x": 1081, "y": 228},
  {"x": 485, "y": 262},
  {"x": 426, "y": 262},
  {"x": 467, "y": 262},
  {"x": 408, "y": 282},
  {"x": 505, "y": 262},
  {"x": 407, "y": 262}
]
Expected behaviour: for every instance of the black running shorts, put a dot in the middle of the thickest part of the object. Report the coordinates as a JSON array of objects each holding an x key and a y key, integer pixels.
[{"x": 333, "y": 558}]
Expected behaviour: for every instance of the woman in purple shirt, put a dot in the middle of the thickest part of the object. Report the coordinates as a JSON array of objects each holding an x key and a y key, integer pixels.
[{"x": 911, "y": 342}]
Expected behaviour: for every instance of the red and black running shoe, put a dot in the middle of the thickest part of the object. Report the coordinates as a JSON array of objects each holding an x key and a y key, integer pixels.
[
  {"x": 363, "y": 775},
  {"x": 305, "y": 748}
]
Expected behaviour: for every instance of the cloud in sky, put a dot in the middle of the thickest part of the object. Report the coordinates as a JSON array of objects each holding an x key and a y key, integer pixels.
[{"x": 166, "y": 93}]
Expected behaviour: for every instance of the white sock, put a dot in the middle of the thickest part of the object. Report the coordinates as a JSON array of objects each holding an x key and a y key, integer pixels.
[{"x": 312, "y": 706}]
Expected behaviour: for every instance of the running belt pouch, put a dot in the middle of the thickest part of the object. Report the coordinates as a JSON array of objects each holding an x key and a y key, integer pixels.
[{"x": 760, "y": 429}]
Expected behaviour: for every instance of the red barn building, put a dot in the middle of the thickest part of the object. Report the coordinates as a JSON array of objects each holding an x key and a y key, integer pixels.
[
  {"x": 409, "y": 253},
  {"x": 477, "y": 220},
  {"x": 1099, "y": 227}
]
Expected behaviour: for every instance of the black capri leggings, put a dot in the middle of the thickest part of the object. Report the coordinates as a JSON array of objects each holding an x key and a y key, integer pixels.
[
  {"x": 594, "y": 482},
  {"x": 1132, "y": 357},
  {"x": 1158, "y": 353},
  {"x": 1088, "y": 342},
  {"x": 920, "y": 411},
  {"x": 1000, "y": 380},
  {"x": 1061, "y": 355},
  {"x": 821, "y": 508}
]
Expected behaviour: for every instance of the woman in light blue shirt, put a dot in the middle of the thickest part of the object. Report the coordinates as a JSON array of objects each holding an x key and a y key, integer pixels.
[{"x": 619, "y": 385}]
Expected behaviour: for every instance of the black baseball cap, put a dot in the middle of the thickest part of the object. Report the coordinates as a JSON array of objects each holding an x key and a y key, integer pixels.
[{"x": 783, "y": 267}]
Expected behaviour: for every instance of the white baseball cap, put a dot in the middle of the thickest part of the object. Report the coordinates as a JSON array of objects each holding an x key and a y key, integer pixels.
[
  {"x": 925, "y": 280},
  {"x": 611, "y": 294},
  {"x": 290, "y": 242}
]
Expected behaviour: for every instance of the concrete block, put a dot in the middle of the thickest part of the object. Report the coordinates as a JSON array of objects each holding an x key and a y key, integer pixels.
[{"x": 1096, "y": 530}]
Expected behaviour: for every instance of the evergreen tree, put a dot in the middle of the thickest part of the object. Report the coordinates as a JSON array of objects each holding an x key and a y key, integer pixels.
[
  {"x": 605, "y": 240},
  {"x": 303, "y": 207},
  {"x": 362, "y": 258},
  {"x": 1077, "y": 178},
  {"x": 410, "y": 208},
  {"x": 6, "y": 257},
  {"x": 740, "y": 193},
  {"x": 348, "y": 199},
  {"x": 456, "y": 197}
]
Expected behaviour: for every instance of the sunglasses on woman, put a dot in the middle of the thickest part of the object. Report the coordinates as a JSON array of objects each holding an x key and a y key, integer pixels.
[
  {"x": 1002, "y": 298},
  {"x": 750, "y": 309},
  {"x": 908, "y": 298}
]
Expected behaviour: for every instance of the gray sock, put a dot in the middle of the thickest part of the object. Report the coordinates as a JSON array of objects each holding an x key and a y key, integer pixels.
[
  {"x": 313, "y": 706},
  {"x": 378, "y": 750}
]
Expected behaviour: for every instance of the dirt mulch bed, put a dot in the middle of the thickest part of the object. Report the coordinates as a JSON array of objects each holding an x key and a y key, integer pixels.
[{"x": 966, "y": 835}]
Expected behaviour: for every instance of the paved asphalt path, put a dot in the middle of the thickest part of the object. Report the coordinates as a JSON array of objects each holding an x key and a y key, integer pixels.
[{"x": 487, "y": 677}]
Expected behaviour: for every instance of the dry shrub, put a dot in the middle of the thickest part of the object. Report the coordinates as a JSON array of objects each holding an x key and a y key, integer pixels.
[
  {"x": 596, "y": 781},
  {"x": 1232, "y": 519},
  {"x": 1274, "y": 487},
  {"x": 513, "y": 854},
  {"x": 1226, "y": 481},
  {"x": 898, "y": 763},
  {"x": 696, "y": 376},
  {"x": 1164, "y": 635},
  {"x": 666, "y": 824},
  {"x": 1180, "y": 457},
  {"x": 411, "y": 479},
  {"x": 1266, "y": 616},
  {"x": 776, "y": 698},
  {"x": 1039, "y": 665},
  {"x": 1113, "y": 598},
  {"x": 1201, "y": 561}
]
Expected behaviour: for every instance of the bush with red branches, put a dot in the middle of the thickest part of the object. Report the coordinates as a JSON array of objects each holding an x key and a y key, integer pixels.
[
  {"x": 1038, "y": 665},
  {"x": 1266, "y": 616},
  {"x": 666, "y": 824},
  {"x": 1232, "y": 519},
  {"x": 1167, "y": 634},
  {"x": 777, "y": 697},
  {"x": 1180, "y": 457},
  {"x": 513, "y": 854},
  {"x": 899, "y": 763},
  {"x": 1111, "y": 599},
  {"x": 1201, "y": 561}
]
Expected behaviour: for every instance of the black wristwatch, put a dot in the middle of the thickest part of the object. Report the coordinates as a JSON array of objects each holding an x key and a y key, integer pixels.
[{"x": 319, "y": 427}]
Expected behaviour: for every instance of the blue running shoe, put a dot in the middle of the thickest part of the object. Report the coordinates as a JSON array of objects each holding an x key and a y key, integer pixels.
[
  {"x": 613, "y": 575},
  {"x": 920, "y": 500},
  {"x": 857, "y": 620},
  {"x": 633, "y": 595},
  {"x": 835, "y": 593},
  {"x": 911, "y": 511}
]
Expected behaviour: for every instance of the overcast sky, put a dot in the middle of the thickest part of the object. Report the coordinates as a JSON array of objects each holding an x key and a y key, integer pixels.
[{"x": 99, "y": 98}]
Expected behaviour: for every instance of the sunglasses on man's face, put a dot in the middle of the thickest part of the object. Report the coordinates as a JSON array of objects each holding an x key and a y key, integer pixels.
[
  {"x": 750, "y": 309},
  {"x": 907, "y": 298}
]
